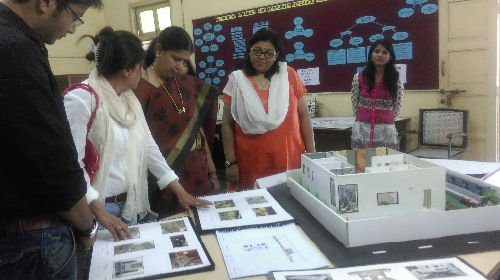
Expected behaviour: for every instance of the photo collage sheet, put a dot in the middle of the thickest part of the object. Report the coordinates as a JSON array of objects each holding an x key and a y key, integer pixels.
[
  {"x": 168, "y": 247},
  {"x": 437, "y": 269},
  {"x": 241, "y": 209}
]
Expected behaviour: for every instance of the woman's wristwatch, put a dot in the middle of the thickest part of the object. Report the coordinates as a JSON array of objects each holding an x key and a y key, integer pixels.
[{"x": 228, "y": 164}]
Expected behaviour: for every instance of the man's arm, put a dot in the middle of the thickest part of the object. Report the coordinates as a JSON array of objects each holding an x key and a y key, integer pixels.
[{"x": 81, "y": 218}]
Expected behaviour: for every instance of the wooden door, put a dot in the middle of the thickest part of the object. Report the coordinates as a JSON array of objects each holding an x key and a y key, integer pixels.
[{"x": 469, "y": 63}]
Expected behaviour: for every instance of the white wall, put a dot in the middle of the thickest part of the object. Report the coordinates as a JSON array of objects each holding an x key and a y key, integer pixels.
[{"x": 67, "y": 55}]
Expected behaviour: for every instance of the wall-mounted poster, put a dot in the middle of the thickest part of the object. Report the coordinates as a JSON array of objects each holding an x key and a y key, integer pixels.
[{"x": 327, "y": 40}]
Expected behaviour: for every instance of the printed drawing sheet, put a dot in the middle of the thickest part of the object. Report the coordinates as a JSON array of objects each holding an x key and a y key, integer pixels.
[
  {"x": 438, "y": 269},
  {"x": 256, "y": 251},
  {"x": 164, "y": 248},
  {"x": 241, "y": 209}
]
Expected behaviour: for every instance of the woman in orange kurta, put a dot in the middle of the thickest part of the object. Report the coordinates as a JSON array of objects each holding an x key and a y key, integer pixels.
[{"x": 265, "y": 124}]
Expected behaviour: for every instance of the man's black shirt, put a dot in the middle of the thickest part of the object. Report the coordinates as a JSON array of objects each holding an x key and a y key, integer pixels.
[{"x": 39, "y": 171}]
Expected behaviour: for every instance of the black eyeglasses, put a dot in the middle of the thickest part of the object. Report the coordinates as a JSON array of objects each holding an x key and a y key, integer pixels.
[
  {"x": 259, "y": 52},
  {"x": 77, "y": 21}
]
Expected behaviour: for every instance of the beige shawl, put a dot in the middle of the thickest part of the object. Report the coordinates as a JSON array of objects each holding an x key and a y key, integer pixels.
[{"x": 126, "y": 110}]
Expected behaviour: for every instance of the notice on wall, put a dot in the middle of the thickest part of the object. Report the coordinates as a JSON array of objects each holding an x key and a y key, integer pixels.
[{"x": 309, "y": 76}]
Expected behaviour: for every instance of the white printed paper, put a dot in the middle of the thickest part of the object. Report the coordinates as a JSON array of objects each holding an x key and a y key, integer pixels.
[
  {"x": 271, "y": 181},
  {"x": 257, "y": 251},
  {"x": 401, "y": 68},
  {"x": 309, "y": 76},
  {"x": 438, "y": 269}
]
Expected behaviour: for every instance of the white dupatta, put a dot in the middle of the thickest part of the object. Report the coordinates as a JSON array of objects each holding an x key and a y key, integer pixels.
[
  {"x": 247, "y": 108},
  {"x": 126, "y": 110}
]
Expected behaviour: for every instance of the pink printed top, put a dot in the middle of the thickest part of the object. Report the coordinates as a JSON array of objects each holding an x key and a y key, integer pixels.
[{"x": 375, "y": 113}]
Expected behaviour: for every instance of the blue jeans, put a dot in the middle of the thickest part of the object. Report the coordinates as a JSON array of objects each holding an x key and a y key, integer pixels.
[
  {"x": 115, "y": 209},
  {"x": 40, "y": 254}
]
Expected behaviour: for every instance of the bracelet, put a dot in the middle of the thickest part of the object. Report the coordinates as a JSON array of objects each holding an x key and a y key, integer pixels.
[{"x": 212, "y": 174}]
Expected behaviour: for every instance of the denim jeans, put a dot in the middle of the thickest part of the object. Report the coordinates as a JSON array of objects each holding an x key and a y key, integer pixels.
[
  {"x": 115, "y": 209},
  {"x": 40, "y": 254}
]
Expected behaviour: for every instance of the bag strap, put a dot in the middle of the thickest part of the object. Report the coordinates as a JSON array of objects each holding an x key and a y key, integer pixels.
[{"x": 90, "y": 90}]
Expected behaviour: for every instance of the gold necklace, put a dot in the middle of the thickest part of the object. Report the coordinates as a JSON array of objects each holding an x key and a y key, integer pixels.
[{"x": 179, "y": 110}]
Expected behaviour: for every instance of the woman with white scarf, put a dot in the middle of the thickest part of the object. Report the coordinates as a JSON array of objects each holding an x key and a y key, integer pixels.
[
  {"x": 265, "y": 123},
  {"x": 118, "y": 194}
]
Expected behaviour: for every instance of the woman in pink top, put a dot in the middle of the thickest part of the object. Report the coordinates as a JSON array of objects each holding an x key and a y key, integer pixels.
[
  {"x": 265, "y": 123},
  {"x": 377, "y": 96}
]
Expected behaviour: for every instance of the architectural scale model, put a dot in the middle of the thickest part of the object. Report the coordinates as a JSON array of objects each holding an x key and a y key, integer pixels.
[{"x": 393, "y": 196}]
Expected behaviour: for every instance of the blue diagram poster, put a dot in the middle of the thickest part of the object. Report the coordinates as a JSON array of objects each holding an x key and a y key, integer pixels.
[{"x": 331, "y": 35}]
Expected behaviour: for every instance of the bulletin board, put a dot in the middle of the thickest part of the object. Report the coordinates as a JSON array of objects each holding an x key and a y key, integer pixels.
[{"x": 326, "y": 41}]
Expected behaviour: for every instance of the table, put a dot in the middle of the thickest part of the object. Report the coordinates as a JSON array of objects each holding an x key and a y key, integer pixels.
[
  {"x": 483, "y": 262},
  {"x": 334, "y": 133}
]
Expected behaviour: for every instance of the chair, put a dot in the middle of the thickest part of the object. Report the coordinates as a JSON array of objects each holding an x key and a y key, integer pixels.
[{"x": 442, "y": 133}]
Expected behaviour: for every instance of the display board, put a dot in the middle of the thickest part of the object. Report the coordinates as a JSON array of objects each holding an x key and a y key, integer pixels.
[{"x": 326, "y": 41}]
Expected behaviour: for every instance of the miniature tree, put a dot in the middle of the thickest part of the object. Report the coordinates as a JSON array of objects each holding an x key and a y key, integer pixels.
[{"x": 489, "y": 198}]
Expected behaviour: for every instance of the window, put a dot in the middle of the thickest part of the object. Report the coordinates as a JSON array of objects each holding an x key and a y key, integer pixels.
[{"x": 150, "y": 19}]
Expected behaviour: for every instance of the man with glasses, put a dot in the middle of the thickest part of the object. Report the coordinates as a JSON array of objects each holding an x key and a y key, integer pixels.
[
  {"x": 77, "y": 21},
  {"x": 42, "y": 189}
]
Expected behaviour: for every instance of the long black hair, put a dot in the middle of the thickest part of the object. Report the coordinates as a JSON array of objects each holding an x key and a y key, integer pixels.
[
  {"x": 115, "y": 51},
  {"x": 268, "y": 35},
  {"x": 391, "y": 75},
  {"x": 171, "y": 38}
]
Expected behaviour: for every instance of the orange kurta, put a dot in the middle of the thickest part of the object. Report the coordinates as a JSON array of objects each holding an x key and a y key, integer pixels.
[{"x": 275, "y": 151}]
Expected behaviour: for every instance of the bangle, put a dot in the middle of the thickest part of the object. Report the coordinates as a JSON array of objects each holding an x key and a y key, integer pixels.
[{"x": 212, "y": 174}]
